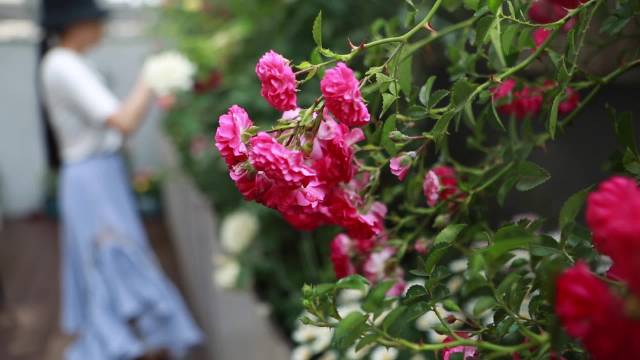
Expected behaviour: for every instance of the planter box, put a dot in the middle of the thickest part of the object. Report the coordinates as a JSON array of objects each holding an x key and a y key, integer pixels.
[{"x": 234, "y": 327}]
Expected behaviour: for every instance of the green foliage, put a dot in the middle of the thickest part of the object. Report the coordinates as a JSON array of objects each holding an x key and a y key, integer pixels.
[{"x": 505, "y": 292}]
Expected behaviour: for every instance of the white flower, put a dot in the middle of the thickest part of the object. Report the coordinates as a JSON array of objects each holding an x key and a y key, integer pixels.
[
  {"x": 458, "y": 265},
  {"x": 352, "y": 354},
  {"x": 347, "y": 309},
  {"x": 238, "y": 231},
  {"x": 301, "y": 353},
  {"x": 226, "y": 272},
  {"x": 348, "y": 296},
  {"x": 454, "y": 284},
  {"x": 322, "y": 340},
  {"x": 329, "y": 355},
  {"x": 383, "y": 353},
  {"x": 316, "y": 338},
  {"x": 168, "y": 72}
]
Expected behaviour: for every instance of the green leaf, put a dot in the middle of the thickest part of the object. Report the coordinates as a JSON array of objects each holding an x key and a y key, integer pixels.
[
  {"x": 572, "y": 207},
  {"x": 482, "y": 29},
  {"x": 483, "y": 304},
  {"x": 508, "y": 39},
  {"x": 461, "y": 91},
  {"x": 425, "y": 90},
  {"x": 405, "y": 76},
  {"x": 374, "y": 302},
  {"x": 366, "y": 340},
  {"x": 356, "y": 282},
  {"x": 434, "y": 256},
  {"x": 449, "y": 234},
  {"x": 494, "y": 35},
  {"x": 441, "y": 126},
  {"x": 385, "y": 141},
  {"x": 471, "y": 4},
  {"x": 494, "y": 5},
  {"x": 530, "y": 176},
  {"x": 317, "y": 30},
  {"x": 387, "y": 100},
  {"x": 393, "y": 316},
  {"x": 496, "y": 117},
  {"x": 553, "y": 116},
  {"x": 436, "y": 97},
  {"x": 349, "y": 330},
  {"x": 450, "y": 305}
]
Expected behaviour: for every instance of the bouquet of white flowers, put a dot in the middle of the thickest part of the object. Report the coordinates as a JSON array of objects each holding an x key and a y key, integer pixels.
[{"x": 168, "y": 72}]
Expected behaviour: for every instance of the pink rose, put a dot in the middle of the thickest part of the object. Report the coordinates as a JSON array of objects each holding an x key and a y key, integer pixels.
[
  {"x": 468, "y": 352},
  {"x": 342, "y": 96},
  {"x": 540, "y": 35},
  {"x": 503, "y": 89},
  {"x": 613, "y": 215},
  {"x": 340, "y": 249},
  {"x": 591, "y": 313},
  {"x": 400, "y": 165},
  {"x": 231, "y": 128},
  {"x": 333, "y": 153},
  {"x": 278, "y": 81},
  {"x": 280, "y": 164},
  {"x": 545, "y": 12},
  {"x": 570, "y": 103},
  {"x": 440, "y": 184}
]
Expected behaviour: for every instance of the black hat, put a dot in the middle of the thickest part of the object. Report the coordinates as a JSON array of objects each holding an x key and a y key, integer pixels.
[{"x": 58, "y": 14}]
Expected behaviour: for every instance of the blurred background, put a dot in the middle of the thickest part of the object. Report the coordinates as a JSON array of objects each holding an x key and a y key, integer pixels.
[{"x": 248, "y": 310}]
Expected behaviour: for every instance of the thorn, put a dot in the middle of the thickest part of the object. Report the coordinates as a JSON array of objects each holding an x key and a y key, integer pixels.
[
  {"x": 429, "y": 27},
  {"x": 354, "y": 47}
]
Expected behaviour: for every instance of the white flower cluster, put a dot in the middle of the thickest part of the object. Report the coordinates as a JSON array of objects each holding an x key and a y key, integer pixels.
[
  {"x": 237, "y": 232},
  {"x": 313, "y": 341},
  {"x": 168, "y": 72}
]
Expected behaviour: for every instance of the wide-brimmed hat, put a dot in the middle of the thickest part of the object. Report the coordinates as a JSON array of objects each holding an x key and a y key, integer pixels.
[{"x": 58, "y": 14}]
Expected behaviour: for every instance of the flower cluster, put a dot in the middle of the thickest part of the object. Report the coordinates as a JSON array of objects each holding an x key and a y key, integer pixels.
[
  {"x": 550, "y": 11},
  {"x": 527, "y": 101},
  {"x": 309, "y": 174},
  {"x": 606, "y": 322}
]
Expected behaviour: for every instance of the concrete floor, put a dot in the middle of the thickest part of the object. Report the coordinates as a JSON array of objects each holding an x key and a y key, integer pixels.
[{"x": 29, "y": 267}]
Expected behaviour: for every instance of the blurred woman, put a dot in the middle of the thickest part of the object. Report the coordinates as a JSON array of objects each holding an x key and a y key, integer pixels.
[{"x": 116, "y": 301}]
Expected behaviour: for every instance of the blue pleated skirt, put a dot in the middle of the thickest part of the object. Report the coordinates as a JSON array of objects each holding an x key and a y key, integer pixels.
[{"x": 115, "y": 298}]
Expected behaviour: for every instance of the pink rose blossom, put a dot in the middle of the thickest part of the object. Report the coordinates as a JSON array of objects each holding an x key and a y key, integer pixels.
[
  {"x": 374, "y": 267},
  {"x": 570, "y": 103},
  {"x": 245, "y": 180},
  {"x": 291, "y": 114},
  {"x": 431, "y": 188},
  {"x": 545, "y": 12},
  {"x": 440, "y": 184},
  {"x": 342, "y": 96},
  {"x": 503, "y": 89},
  {"x": 278, "y": 81},
  {"x": 340, "y": 249},
  {"x": 332, "y": 153},
  {"x": 613, "y": 215},
  {"x": 468, "y": 352},
  {"x": 400, "y": 165},
  {"x": 280, "y": 164},
  {"x": 592, "y": 313},
  {"x": 540, "y": 35},
  {"x": 231, "y": 127}
]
